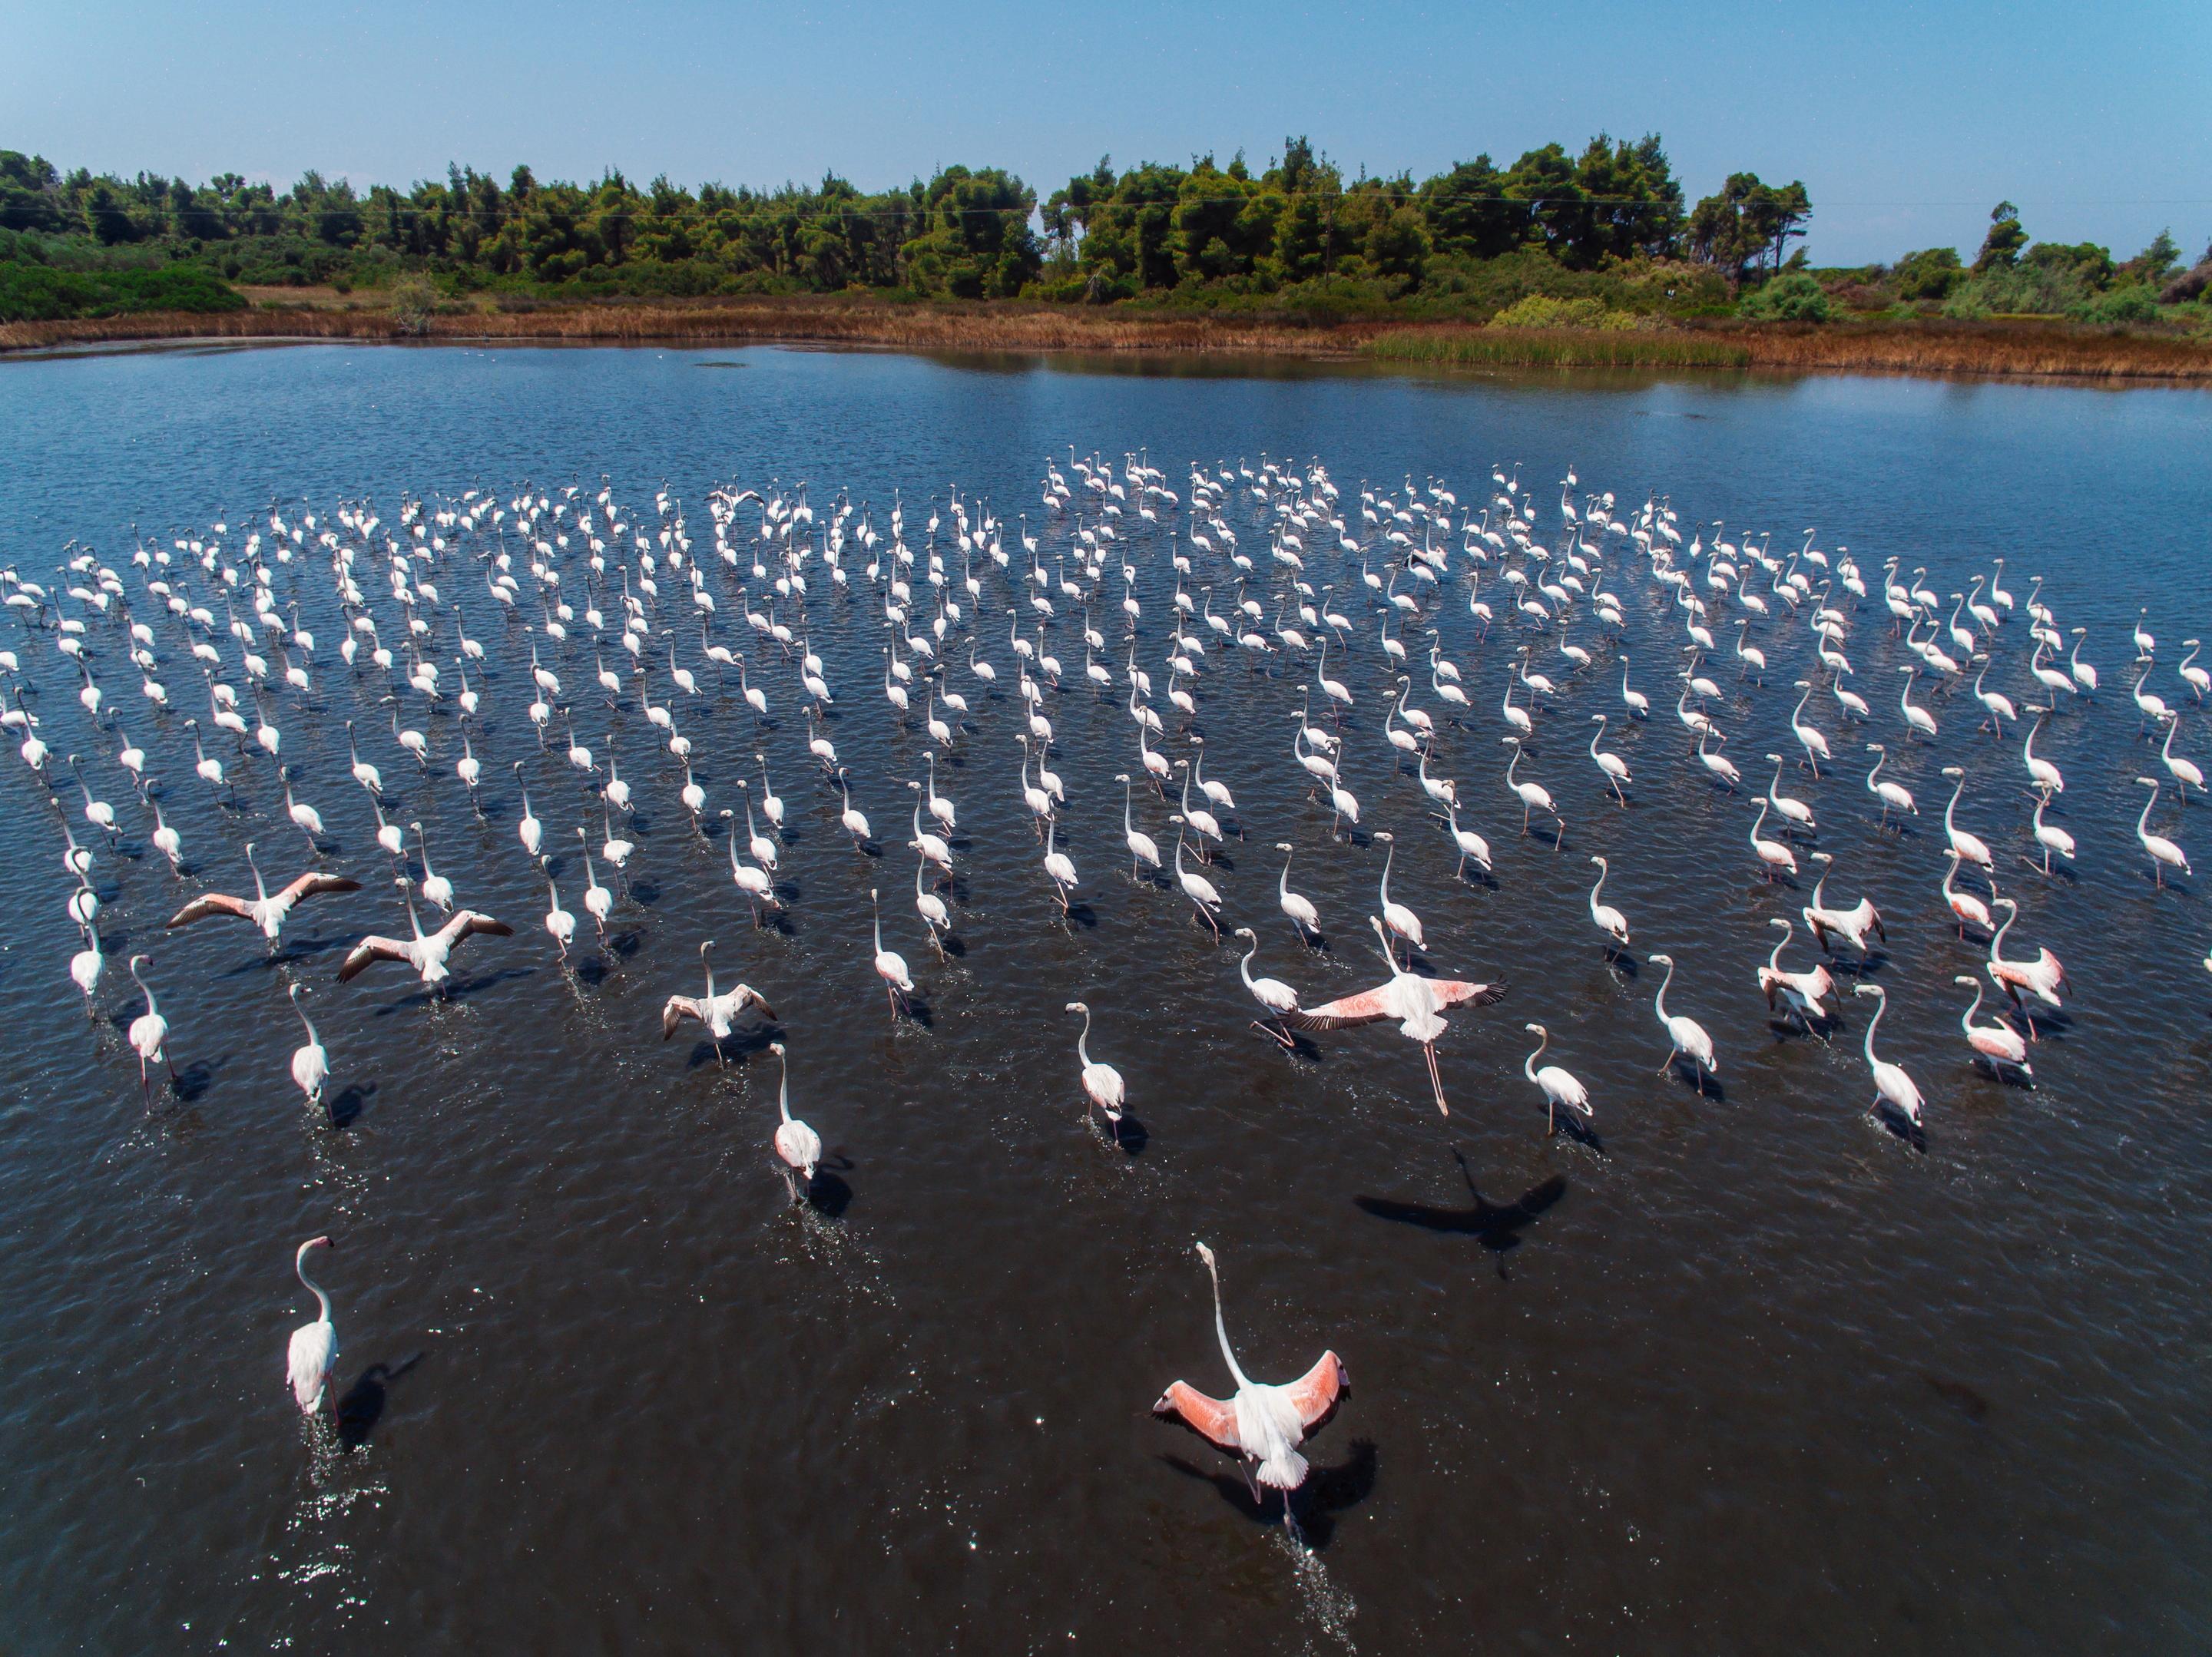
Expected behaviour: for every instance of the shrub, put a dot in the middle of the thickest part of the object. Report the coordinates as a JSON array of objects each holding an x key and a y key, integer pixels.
[
  {"x": 413, "y": 302},
  {"x": 2133, "y": 303},
  {"x": 1543, "y": 310},
  {"x": 1793, "y": 297},
  {"x": 1931, "y": 273},
  {"x": 37, "y": 292}
]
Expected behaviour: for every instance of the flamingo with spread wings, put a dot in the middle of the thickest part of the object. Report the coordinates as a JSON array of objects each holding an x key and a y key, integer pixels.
[
  {"x": 265, "y": 909},
  {"x": 426, "y": 952},
  {"x": 1263, "y": 1425},
  {"x": 1408, "y": 1000}
]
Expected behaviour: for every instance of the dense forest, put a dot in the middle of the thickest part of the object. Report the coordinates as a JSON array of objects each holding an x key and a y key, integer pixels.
[{"x": 1604, "y": 237}]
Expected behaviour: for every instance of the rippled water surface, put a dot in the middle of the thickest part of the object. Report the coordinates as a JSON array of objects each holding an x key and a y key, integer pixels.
[{"x": 1738, "y": 1371}]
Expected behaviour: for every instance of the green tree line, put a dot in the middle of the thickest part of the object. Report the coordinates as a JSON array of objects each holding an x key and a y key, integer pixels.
[{"x": 1604, "y": 231}]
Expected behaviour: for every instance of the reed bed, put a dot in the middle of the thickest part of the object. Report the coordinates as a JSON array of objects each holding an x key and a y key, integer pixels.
[
  {"x": 1556, "y": 348},
  {"x": 2014, "y": 350}
]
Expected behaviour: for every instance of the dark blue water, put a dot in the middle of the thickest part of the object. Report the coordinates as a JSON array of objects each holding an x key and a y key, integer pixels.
[{"x": 1742, "y": 1369}]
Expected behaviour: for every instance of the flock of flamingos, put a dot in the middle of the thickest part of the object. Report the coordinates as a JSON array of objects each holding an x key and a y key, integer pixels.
[{"x": 1324, "y": 598}]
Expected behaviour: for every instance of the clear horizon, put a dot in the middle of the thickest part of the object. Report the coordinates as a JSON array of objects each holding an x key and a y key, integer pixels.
[{"x": 1918, "y": 119}]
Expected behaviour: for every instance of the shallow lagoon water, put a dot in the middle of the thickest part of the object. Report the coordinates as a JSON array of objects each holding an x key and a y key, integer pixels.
[{"x": 1748, "y": 1371}]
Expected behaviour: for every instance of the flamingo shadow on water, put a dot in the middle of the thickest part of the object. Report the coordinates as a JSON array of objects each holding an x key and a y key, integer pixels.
[
  {"x": 1495, "y": 1226},
  {"x": 826, "y": 1193},
  {"x": 734, "y": 1048},
  {"x": 362, "y": 1407},
  {"x": 1326, "y": 1492},
  {"x": 460, "y": 989},
  {"x": 343, "y": 1109}
]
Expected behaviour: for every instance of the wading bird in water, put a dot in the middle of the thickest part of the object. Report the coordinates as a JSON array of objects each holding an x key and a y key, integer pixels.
[
  {"x": 314, "y": 1353},
  {"x": 1101, "y": 1083},
  {"x": 1262, "y": 1425},
  {"x": 1408, "y": 1000},
  {"x": 799, "y": 1146}
]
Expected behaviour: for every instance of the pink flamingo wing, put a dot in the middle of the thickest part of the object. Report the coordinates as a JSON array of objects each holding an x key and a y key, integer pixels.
[
  {"x": 1454, "y": 993},
  {"x": 1315, "y": 1394},
  {"x": 1365, "y": 1008},
  {"x": 1209, "y": 1418}
]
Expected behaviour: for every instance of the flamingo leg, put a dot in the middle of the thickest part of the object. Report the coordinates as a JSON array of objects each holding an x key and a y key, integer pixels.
[{"x": 1436, "y": 1081}]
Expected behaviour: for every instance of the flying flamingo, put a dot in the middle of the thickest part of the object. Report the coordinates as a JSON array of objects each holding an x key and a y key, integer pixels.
[
  {"x": 1408, "y": 1001},
  {"x": 427, "y": 953},
  {"x": 312, "y": 1355},
  {"x": 265, "y": 910},
  {"x": 1101, "y": 1083},
  {"x": 1263, "y": 1425},
  {"x": 1559, "y": 1086},
  {"x": 716, "y": 1012}
]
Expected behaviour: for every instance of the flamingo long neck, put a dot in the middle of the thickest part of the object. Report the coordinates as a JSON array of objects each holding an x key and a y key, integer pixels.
[
  {"x": 1387, "y": 858},
  {"x": 314, "y": 1039},
  {"x": 152, "y": 1011},
  {"x": 1129, "y": 825},
  {"x": 1083, "y": 1040},
  {"x": 783, "y": 1088},
  {"x": 1244, "y": 967},
  {"x": 1880, "y": 1007},
  {"x": 1774, "y": 961},
  {"x": 1603, "y": 870},
  {"x": 300, "y": 1266},
  {"x": 2165, "y": 748},
  {"x": 1801, "y": 700},
  {"x": 2143, "y": 823},
  {"x": 706, "y": 962},
  {"x": 1221, "y": 1329},
  {"x": 260, "y": 889},
  {"x": 1996, "y": 939},
  {"x": 1283, "y": 884},
  {"x": 1659, "y": 1001},
  {"x": 879, "y": 932},
  {"x": 1967, "y": 1018},
  {"x": 1529, "y": 1065}
]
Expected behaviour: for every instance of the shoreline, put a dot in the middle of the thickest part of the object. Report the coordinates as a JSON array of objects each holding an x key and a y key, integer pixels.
[{"x": 2030, "y": 352}]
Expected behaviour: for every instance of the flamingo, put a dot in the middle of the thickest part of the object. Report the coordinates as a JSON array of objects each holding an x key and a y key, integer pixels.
[
  {"x": 1800, "y": 993},
  {"x": 1472, "y": 846},
  {"x": 1719, "y": 766},
  {"x": 891, "y": 966},
  {"x": 1773, "y": 855},
  {"x": 1611, "y": 766},
  {"x": 771, "y": 803},
  {"x": 1304, "y": 917},
  {"x": 1851, "y": 925},
  {"x": 1396, "y": 916},
  {"x": 2051, "y": 837},
  {"x": 757, "y": 884},
  {"x": 266, "y": 910},
  {"x": 149, "y": 1031},
  {"x": 2042, "y": 774},
  {"x": 1263, "y": 1425},
  {"x": 2164, "y": 853},
  {"x": 530, "y": 830},
  {"x": 311, "y": 1063},
  {"x": 1639, "y": 705},
  {"x": 1143, "y": 852},
  {"x": 1796, "y": 810},
  {"x": 935, "y": 915},
  {"x": 1893, "y": 796},
  {"x": 1999, "y": 1043},
  {"x": 559, "y": 921},
  {"x": 854, "y": 823},
  {"x": 1198, "y": 889},
  {"x": 797, "y": 1144},
  {"x": 717, "y": 1012},
  {"x": 1814, "y": 744},
  {"x": 2084, "y": 674},
  {"x": 2186, "y": 771},
  {"x": 426, "y": 953},
  {"x": 1101, "y": 1083},
  {"x": 1607, "y": 919},
  {"x": 1916, "y": 719},
  {"x": 1559, "y": 1086},
  {"x": 1893, "y": 1087},
  {"x": 1964, "y": 905},
  {"x": 1534, "y": 795},
  {"x": 1686, "y": 1035},
  {"x": 313, "y": 1356},
  {"x": 85, "y": 969},
  {"x": 1412, "y": 1002},
  {"x": 1059, "y": 866},
  {"x": 1972, "y": 847},
  {"x": 2042, "y": 977},
  {"x": 1277, "y": 997}
]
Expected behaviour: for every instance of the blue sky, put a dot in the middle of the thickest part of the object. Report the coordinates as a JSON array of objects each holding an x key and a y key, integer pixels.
[{"x": 1905, "y": 121}]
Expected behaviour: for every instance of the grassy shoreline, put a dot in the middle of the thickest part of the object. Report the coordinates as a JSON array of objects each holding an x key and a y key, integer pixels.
[{"x": 2022, "y": 350}]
